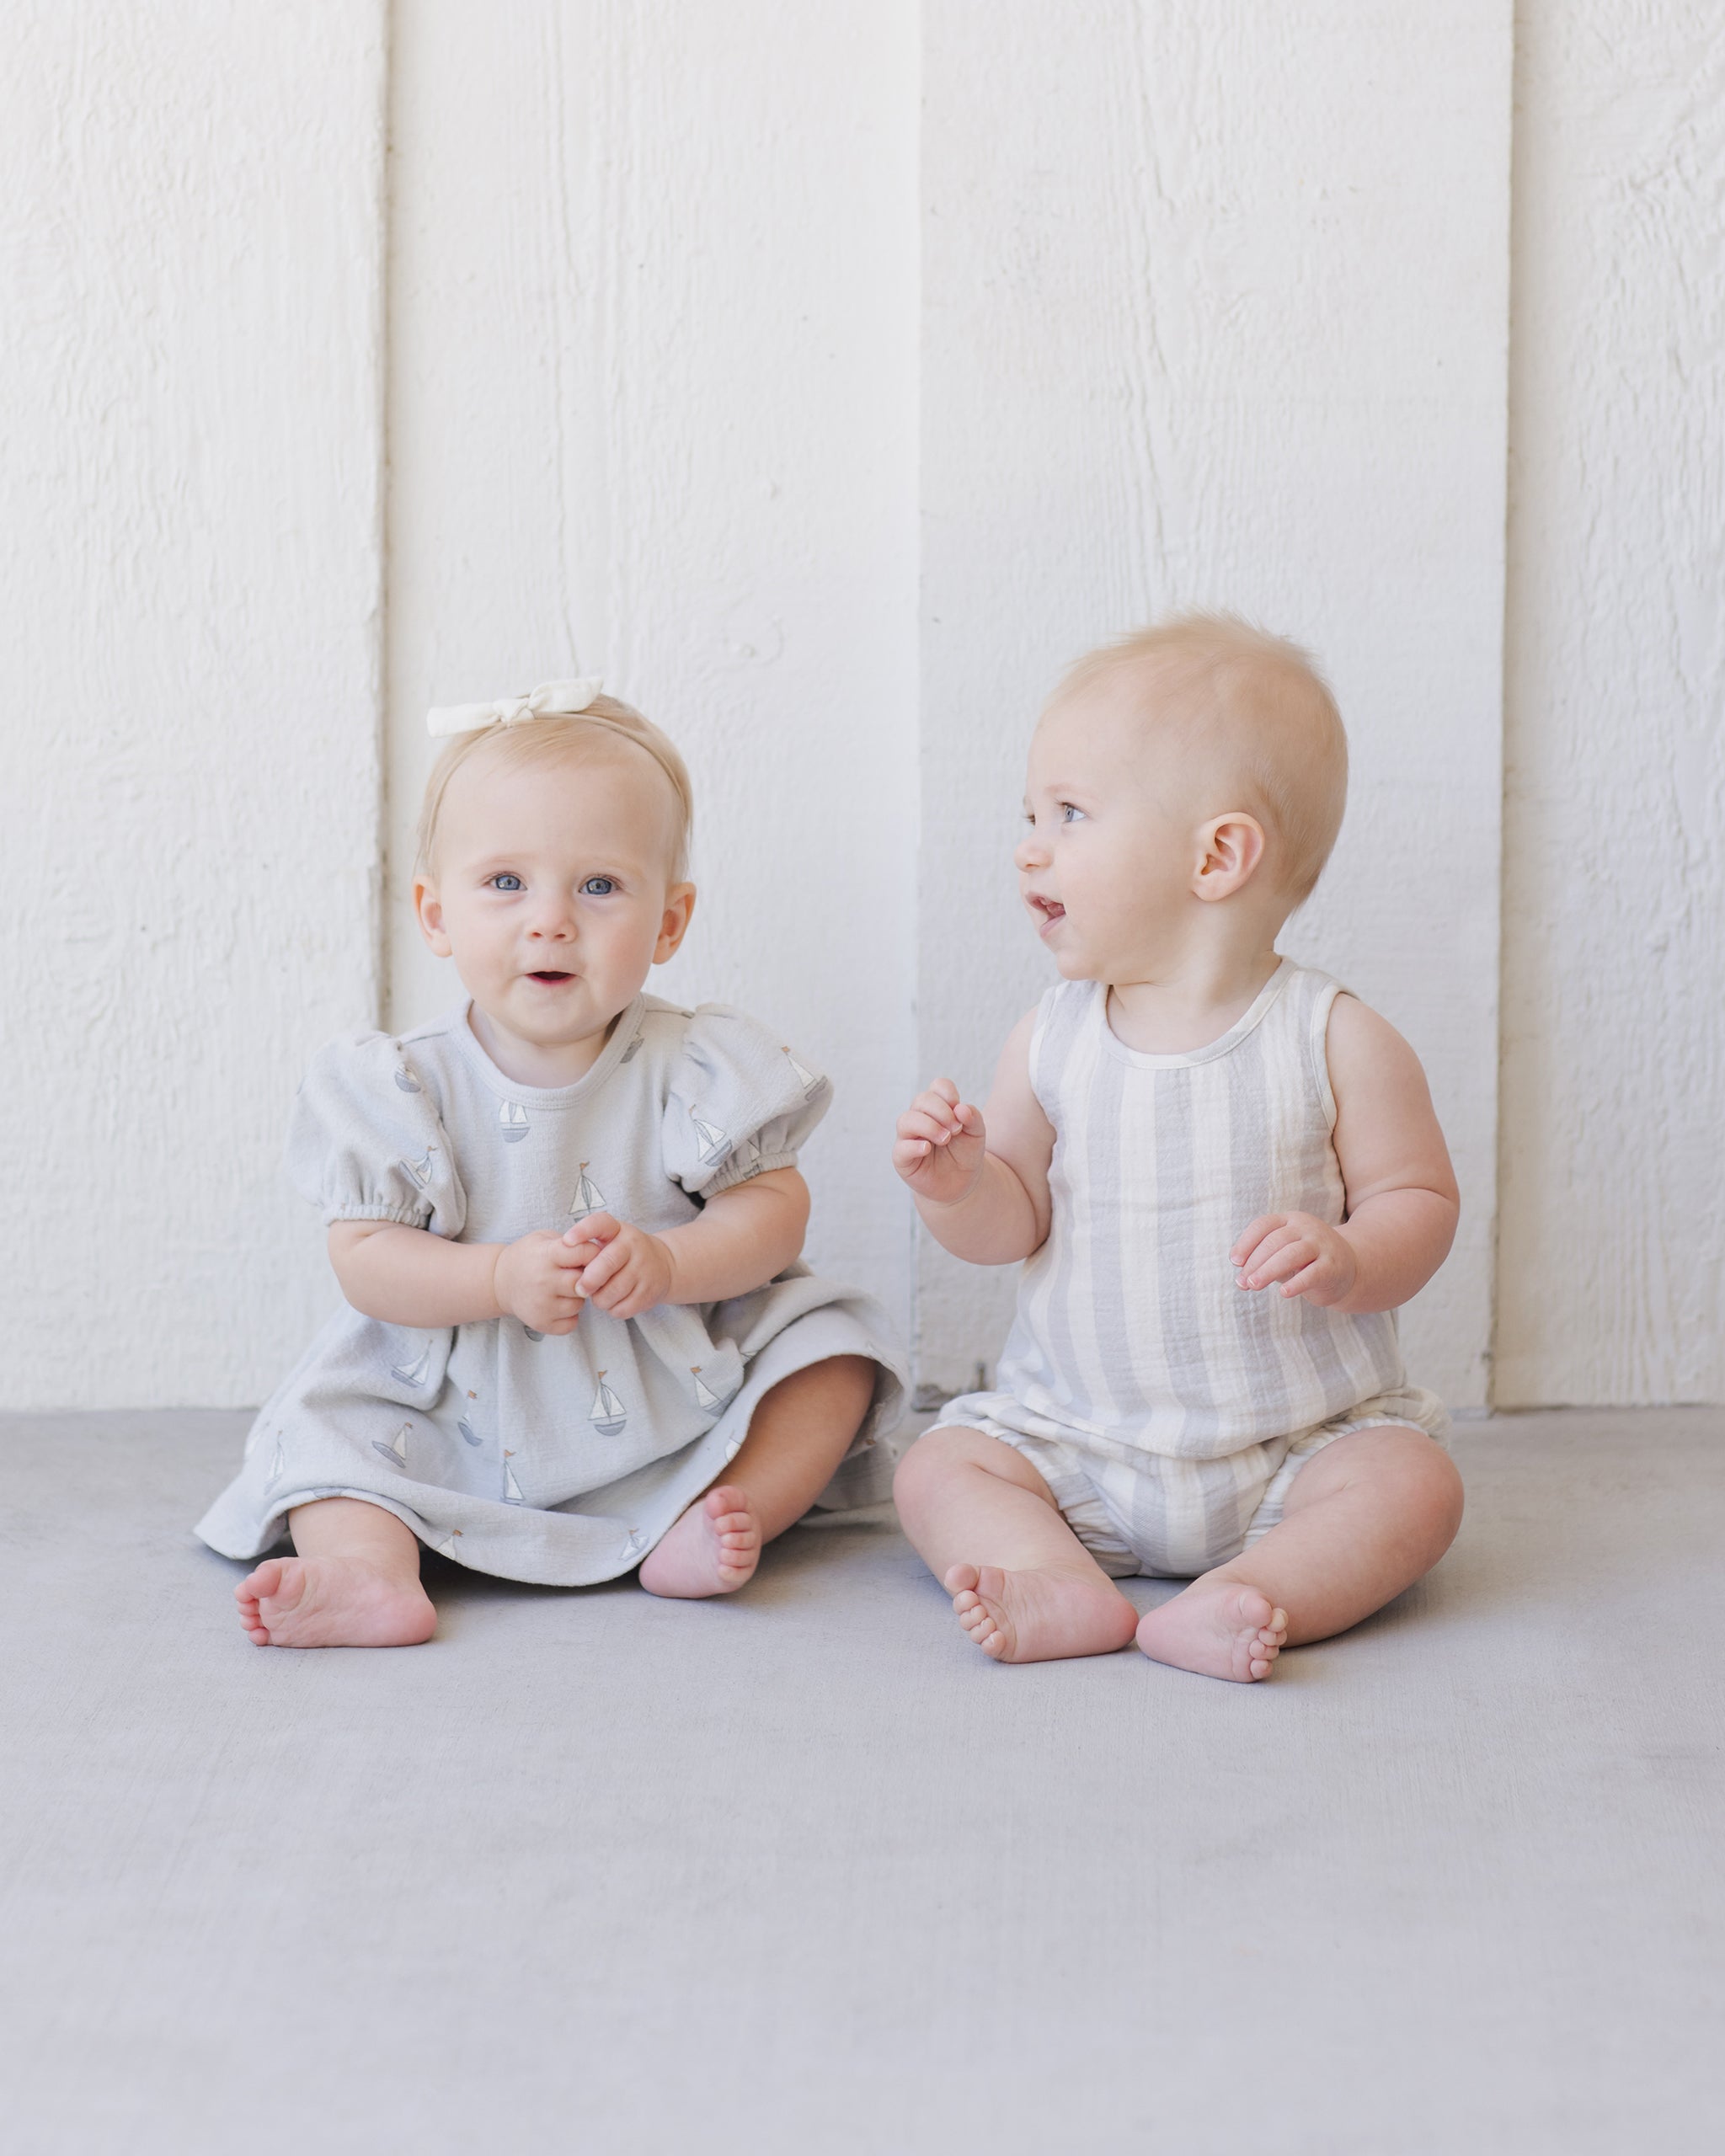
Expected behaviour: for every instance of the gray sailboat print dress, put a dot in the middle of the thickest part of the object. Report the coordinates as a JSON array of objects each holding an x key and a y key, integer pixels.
[{"x": 561, "y": 1458}]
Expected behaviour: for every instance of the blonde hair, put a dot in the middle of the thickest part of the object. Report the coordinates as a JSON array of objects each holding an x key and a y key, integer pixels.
[
  {"x": 607, "y": 720},
  {"x": 1263, "y": 699}
]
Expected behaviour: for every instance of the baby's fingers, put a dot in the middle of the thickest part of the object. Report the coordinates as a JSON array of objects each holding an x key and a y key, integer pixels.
[
  {"x": 593, "y": 1227},
  {"x": 1261, "y": 1229},
  {"x": 609, "y": 1260},
  {"x": 1294, "y": 1257},
  {"x": 931, "y": 1131}
]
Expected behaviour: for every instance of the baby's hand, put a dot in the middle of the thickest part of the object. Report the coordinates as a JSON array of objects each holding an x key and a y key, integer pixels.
[
  {"x": 1306, "y": 1254},
  {"x": 941, "y": 1144},
  {"x": 625, "y": 1271},
  {"x": 537, "y": 1280}
]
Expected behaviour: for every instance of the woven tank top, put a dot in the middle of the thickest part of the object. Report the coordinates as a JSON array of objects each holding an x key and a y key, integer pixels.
[{"x": 1129, "y": 1326}]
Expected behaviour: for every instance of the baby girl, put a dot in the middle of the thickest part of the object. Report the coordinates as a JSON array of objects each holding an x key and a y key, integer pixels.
[
  {"x": 566, "y": 1219},
  {"x": 1224, "y": 1173}
]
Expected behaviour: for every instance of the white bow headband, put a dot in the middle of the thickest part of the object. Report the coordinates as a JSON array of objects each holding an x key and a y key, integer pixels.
[{"x": 550, "y": 700}]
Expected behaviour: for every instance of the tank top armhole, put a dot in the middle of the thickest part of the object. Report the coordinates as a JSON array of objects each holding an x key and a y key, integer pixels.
[
  {"x": 1322, "y": 1004},
  {"x": 1046, "y": 1005}
]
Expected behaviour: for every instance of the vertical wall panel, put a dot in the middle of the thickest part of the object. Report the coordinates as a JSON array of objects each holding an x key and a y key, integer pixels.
[
  {"x": 1215, "y": 312},
  {"x": 653, "y": 415},
  {"x": 1613, "y": 1249},
  {"x": 192, "y": 206}
]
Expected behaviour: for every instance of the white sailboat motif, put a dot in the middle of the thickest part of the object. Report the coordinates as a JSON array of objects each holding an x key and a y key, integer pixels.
[
  {"x": 512, "y": 1122},
  {"x": 805, "y": 1077},
  {"x": 608, "y": 1414},
  {"x": 413, "y": 1373},
  {"x": 446, "y": 1547},
  {"x": 278, "y": 1467},
  {"x": 396, "y": 1451},
  {"x": 465, "y": 1427},
  {"x": 588, "y": 1197},
  {"x": 714, "y": 1144},
  {"x": 705, "y": 1396},
  {"x": 420, "y": 1170},
  {"x": 513, "y": 1493},
  {"x": 636, "y": 1539}
]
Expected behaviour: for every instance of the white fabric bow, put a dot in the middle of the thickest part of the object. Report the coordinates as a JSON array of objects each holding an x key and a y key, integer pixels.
[{"x": 550, "y": 700}]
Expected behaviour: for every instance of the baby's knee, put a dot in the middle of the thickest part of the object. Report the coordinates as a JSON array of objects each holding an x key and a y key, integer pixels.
[
  {"x": 929, "y": 1462},
  {"x": 1429, "y": 1488}
]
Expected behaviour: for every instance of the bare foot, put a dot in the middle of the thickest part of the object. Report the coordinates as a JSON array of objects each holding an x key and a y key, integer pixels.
[
  {"x": 713, "y": 1548},
  {"x": 332, "y": 1602},
  {"x": 1220, "y": 1628},
  {"x": 1039, "y": 1616}
]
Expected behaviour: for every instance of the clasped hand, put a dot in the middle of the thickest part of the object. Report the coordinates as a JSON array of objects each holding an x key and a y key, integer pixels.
[
  {"x": 544, "y": 1278},
  {"x": 1305, "y": 1255}
]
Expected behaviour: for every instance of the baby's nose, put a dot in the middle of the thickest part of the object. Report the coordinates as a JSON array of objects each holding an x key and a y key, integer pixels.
[{"x": 1030, "y": 852}]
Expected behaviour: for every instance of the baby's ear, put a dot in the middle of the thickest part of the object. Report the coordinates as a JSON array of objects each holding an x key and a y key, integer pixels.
[
  {"x": 428, "y": 911},
  {"x": 1231, "y": 847},
  {"x": 674, "y": 922}
]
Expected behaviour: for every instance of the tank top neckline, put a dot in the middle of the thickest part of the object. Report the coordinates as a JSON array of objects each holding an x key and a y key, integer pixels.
[{"x": 1212, "y": 1051}]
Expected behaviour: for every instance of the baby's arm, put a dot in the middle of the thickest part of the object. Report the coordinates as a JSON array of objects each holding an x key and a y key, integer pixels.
[
  {"x": 1402, "y": 1198},
  {"x": 744, "y": 1236},
  {"x": 407, "y": 1276},
  {"x": 980, "y": 1178}
]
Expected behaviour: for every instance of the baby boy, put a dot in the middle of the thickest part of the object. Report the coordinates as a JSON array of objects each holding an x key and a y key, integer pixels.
[{"x": 1225, "y": 1174}]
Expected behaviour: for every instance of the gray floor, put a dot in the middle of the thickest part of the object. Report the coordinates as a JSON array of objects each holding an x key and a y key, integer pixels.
[{"x": 803, "y": 1871}]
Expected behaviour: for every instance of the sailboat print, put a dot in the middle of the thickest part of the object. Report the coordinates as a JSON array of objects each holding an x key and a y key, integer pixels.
[
  {"x": 446, "y": 1547},
  {"x": 588, "y": 1197},
  {"x": 513, "y": 1493},
  {"x": 420, "y": 1170},
  {"x": 705, "y": 1396},
  {"x": 465, "y": 1427},
  {"x": 608, "y": 1414},
  {"x": 714, "y": 1144},
  {"x": 805, "y": 1077},
  {"x": 413, "y": 1373},
  {"x": 278, "y": 1467},
  {"x": 408, "y": 1084},
  {"x": 512, "y": 1121},
  {"x": 396, "y": 1451}
]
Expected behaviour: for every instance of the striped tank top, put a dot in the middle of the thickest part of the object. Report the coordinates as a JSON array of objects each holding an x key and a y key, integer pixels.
[{"x": 1129, "y": 1328}]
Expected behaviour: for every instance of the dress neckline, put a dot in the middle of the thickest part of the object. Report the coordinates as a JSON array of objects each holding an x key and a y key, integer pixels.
[{"x": 622, "y": 1032}]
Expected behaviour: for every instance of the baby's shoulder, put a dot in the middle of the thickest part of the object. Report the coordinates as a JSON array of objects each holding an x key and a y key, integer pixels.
[
  {"x": 672, "y": 1032},
  {"x": 368, "y": 1061}
]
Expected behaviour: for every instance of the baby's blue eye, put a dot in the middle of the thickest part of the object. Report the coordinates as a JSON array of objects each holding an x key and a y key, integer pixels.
[
  {"x": 1069, "y": 814},
  {"x": 506, "y": 882},
  {"x": 599, "y": 887}
]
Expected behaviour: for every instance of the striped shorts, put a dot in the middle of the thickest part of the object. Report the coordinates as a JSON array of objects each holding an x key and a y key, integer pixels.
[{"x": 1155, "y": 1514}]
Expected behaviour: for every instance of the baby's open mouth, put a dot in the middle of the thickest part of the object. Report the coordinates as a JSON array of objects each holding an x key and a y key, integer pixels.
[
  {"x": 551, "y": 976},
  {"x": 1050, "y": 909}
]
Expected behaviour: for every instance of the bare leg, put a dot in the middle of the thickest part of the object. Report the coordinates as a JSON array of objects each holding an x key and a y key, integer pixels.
[
  {"x": 354, "y": 1583},
  {"x": 1364, "y": 1519},
  {"x": 986, "y": 1525},
  {"x": 798, "y": 1435}
]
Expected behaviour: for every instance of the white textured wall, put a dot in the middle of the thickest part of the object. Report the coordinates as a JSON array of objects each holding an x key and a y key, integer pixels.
[
  {"x": 653, "y": 414},
  {"x": 189, "y": 220},
  {"x": 1613, "y": 1250},
  {"x": 828, "y": 377},
  {"x": 1216, "y": 313}
]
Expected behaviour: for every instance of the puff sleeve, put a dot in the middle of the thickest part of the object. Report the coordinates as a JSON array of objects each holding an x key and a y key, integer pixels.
[
  {"x": 366, "y": 1141},
  {"x": 739, "y": 1102}
]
